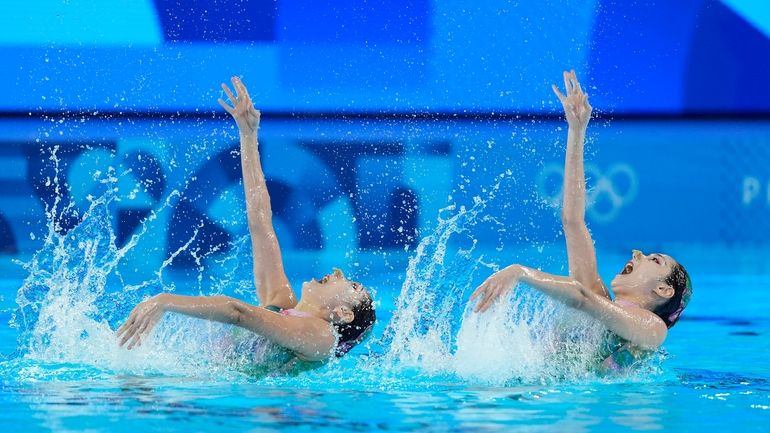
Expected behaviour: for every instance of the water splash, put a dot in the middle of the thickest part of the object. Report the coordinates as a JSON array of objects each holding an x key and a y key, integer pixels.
[
  {"x": 74, "y": 297},
  {"x": 526, "y": 338}
]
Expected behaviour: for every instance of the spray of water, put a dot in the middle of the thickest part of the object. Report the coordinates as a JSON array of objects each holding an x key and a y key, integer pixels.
[
  {"x": 74, "y": 297},
  {"x": 525, "y": 338}
]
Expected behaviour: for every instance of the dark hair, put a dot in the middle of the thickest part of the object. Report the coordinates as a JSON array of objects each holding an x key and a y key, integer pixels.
[
  {"x": 355, "y": 331},
  {"x": 679, "y": 280}
]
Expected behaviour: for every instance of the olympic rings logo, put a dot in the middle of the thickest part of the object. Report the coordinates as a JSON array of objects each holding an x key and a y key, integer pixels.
[{"x": 606, "y": 193}]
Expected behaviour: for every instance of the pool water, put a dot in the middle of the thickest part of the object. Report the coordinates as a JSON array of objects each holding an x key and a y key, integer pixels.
[
  {"x": 695, "y": 401},
  {"x": 714, "y": 376},
  {"x": 431, "y": 365}
]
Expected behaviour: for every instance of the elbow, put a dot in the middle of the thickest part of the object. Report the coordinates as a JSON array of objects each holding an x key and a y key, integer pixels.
[
  {"x": 655, "y": 338},
  {"x": 570, "y": 219},
  {"x": 234, "y": 310},
  {"x": 648, "y": 342},
  {"x": 581, "y": 298},
  {"x": 259, "y": 225},
  {"x": 235, "y": 315}
]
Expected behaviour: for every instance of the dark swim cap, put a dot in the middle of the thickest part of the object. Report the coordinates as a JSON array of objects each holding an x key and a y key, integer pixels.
[
  {"x": 353, "y": 333},
  {"x": 679, "y": 279}
]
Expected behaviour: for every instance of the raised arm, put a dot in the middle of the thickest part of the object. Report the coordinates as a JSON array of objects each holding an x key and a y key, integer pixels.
[
  {"x": 580, "y": 247},
  {"x": 269, "y": 277},
  {"x": 309, "y": 337},
  {"x": 638, "y": 326}
]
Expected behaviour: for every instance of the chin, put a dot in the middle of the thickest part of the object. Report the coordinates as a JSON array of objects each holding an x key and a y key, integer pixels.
[{"x": 302, "y": 290}]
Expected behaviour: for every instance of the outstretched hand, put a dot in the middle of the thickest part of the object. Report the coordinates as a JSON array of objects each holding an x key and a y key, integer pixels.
[
  {"x": 576, "y": 106},
  {"x": 242, "y": 109},
  {"x": 496, "y": 286},
  {"x": 141, "y": 321}
]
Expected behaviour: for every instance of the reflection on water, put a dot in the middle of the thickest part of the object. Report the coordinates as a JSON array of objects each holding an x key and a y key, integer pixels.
[
  {"x": 106, "y": 404},
  {"x": 124, "y": 403}
]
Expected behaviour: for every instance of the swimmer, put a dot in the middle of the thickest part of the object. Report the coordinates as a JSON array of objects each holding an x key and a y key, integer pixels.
[
  {"x": 650, "y": 291},
  {"x": 332, "y": 315}
]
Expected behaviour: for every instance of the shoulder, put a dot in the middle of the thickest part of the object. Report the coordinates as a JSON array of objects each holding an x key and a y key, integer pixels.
[
  {"x": 637, "y": 325},
  {"x": 648, "y": 331}
]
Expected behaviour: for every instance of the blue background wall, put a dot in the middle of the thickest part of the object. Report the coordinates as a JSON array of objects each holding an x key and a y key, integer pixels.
[
  {"x": 376, "y": 116},
  {"x": 690, "y": 56}
]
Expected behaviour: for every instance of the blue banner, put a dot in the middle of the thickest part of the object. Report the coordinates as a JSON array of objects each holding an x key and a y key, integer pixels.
[{"x": 378, "y": 186}]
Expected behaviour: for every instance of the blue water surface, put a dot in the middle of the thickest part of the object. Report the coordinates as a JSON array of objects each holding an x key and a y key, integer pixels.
[{"x": 714, "y": 376}]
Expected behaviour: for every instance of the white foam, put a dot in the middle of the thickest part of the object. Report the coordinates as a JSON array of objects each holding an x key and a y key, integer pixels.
[{"x": 525, "y": 338}]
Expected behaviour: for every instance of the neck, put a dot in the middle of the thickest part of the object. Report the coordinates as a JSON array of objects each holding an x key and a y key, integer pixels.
[
  {"x": 630, "y": 301},
  {"x": 312, "y": 309}
]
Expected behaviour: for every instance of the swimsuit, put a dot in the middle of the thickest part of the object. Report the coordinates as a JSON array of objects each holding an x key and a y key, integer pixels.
[
  {"x": 287, "y": 312},
  {"x": 620, "y": 354},
  {"x": 258, "y": 357}
]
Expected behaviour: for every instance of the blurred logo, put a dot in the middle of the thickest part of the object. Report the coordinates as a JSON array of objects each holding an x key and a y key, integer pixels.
[
  {"x": 754, "y": 191},
  {"x": 606, "y": 194}
]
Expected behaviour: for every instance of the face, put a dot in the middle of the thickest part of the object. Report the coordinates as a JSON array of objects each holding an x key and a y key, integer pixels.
[
  {"x": 643, "y": 274},
  {"x": 333, "y": 290}
]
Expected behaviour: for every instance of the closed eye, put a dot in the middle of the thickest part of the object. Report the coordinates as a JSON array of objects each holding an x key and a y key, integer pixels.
[{"x": 656, "y": 260}]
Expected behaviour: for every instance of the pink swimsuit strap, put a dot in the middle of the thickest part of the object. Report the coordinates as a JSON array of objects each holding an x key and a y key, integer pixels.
[{"x": 294, "y": 313}]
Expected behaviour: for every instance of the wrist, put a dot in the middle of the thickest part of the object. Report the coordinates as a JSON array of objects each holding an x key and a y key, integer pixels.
[
  {"x": 578, "y": 126},
  {"x": 163, "y": 300},
  {"x": 514, "y": 271},
  {"x": 246, "y": 132}
]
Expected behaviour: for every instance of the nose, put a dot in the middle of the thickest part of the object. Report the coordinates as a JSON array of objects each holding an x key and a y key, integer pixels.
[
  {"x": 636, "y": 254},
  {"x": 338, "y": 273}
]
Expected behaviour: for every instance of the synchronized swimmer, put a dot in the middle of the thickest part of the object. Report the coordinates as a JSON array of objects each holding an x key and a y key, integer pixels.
[
  {"x": 334, "y": 314},
  {"x": 650, "y": 292}
]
